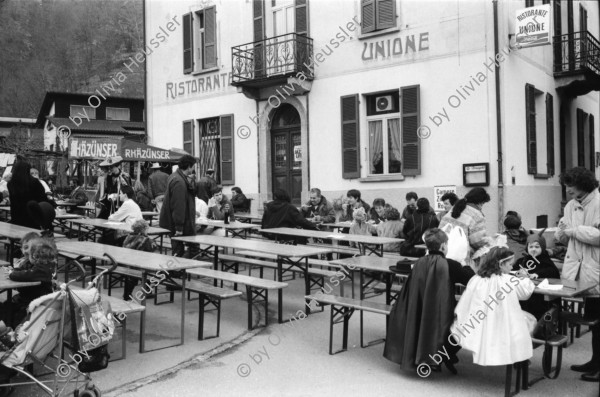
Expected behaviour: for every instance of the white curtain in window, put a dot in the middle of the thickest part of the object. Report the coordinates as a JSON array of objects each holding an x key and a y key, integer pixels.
[
  {"x": 375, "y": 147},
  {"x": 395, "y": 146}
]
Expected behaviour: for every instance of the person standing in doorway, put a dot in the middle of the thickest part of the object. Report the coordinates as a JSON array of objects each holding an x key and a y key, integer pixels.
[{"x": 178, "y": 212}]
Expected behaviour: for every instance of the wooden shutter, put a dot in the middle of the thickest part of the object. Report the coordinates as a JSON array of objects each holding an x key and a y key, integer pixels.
[
  {"x": 350, "y": 137},
  {"x": 580, "y": 138},
  {"x": 592, "y": 145},
  {"x": 227, "y": 170},
  {"x": 367, "y": 12},
  {"x": 188, "y": 44},
  {"x": 301, "y": 9},
  {"x": 385, "y": 11},
  {"x": 582, "y": 19},
  {"x": 530, "y": 127},
  {"x": 411, "y": 144},
  {"x": 188, "y": 136},
  {"x": 258, "y": 10},
  {"x": 210, "y": 38},
  {"x": 528, "y": 3},
  {"x": 550, "y": 133},
  {"x": 557, "y": 33}
]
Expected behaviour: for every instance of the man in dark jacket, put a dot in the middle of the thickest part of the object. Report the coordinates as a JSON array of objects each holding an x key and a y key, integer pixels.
[
  {"x": 318, "y": 208},
  {"x": 281, "y": 213},
  {"x": 178, "y": 213},
  {"x": 77, "y": 196},
  {"x": 416, "y": 224},
  {"x": 157, "y": 184}
]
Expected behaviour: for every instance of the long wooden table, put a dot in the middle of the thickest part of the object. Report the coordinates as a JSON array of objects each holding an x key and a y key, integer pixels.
[
  {"x": 292, "y": 255},
  {"x": 364, "y": 242},
  {"x": 248, "y": 217},
  {"x": 6, "y": 284},
  {"x": 15, "y": 233},
  {"x": 90, "y": 228},
  {"x": 570, "y": 288},
  {"x": 147, "y": 262},
  {"x": 237, "y": 229}
]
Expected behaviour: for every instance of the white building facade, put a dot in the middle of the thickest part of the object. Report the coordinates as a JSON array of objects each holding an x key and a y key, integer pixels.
[{"x": 383, "y": 96}]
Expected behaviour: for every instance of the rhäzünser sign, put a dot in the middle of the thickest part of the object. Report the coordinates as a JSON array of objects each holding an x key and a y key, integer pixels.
[
  {"x": 532, "y": 27},
  {"x": 147, "y": 154},
  {"x": 94, "y": 148}
]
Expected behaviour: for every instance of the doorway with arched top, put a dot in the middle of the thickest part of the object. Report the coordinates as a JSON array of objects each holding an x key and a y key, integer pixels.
[{"x": 286, "y": 152}]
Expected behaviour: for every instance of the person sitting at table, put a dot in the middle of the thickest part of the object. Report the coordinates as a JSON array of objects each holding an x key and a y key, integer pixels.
[
  {"x": 78, "y": 196},
  {"x": 239, "y": 200},
  {"x": 489, "y": 321},
  {"x": 43, "y": 260},
  {"x": 536, "y": 263},
  {"x": 23, "y": 188},
  {"x": 129, "y": 212},
  {"x": 377, "y": 211},
  {"x": 354, "y": 202},
  {"x": 516, "y": 235},
  {"x": 318, "y": 208},
  {"x": 219, "y": 205},
  {"x": 26, "y": 242},
  {"x": 114, "y": 181},
  {"x": 281, "y": 213},
  {"x": 360, "y": 225},
  {"x": 142, "y": 198},
  {"x": 416, "y": 224},
  {"x": 137, "y": 240},
  {"x": 390, "y": 227},
  {"x": 420, "y": 320}
]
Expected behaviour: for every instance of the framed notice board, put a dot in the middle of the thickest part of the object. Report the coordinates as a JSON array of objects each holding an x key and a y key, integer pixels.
[{"x": 476, "y": 174}]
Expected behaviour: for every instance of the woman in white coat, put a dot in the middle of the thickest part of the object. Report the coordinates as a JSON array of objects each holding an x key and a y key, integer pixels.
[{"x": 489, "y": 321}]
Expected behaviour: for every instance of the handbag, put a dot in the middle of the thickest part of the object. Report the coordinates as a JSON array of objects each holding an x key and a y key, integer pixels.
[{"x": 547, "y": 326}]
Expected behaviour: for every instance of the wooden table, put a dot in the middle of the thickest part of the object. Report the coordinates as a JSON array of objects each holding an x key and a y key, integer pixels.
[
  {"x": 570, "y": 288},
  {"x": 6, "y": 284},
  {"x": 90, "y": 228},
  {"x": 364, "y": 242},
  {"x": 292, "y": 255},
  {"x": 147, "y": 262},
  {"x": 237, "y": 229},
  {"x": 149, "y": 215},
  {"x": 247, "y": 217},
  {"x": 62, "y": 220},
  {"x": 87, "y": 209},
  {"x": 16, "y": 232},
  {"x": 338, "y": 225},
  {"x": 66, "y": 204}
]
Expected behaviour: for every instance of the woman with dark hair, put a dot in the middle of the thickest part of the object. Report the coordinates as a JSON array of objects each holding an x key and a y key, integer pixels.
[
  {"x": 467, "y": 214},
  {"x": 22, "y": 189},
  {"x": 281, "y": 213},
  {"x": 416, "y": 224},
  {"x": 354, "y": 202},
  {"x": 238, "y": 200}
]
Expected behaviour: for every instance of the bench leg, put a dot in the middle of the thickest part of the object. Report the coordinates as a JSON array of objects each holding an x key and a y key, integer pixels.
[
  {"x": 549, "y": 371},
  {"x": 253, "y": 296},
  {"x": 339, "y": 315}
]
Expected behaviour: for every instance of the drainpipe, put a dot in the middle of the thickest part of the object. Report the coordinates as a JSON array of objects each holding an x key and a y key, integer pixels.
[{"x": 498, "y": 120}]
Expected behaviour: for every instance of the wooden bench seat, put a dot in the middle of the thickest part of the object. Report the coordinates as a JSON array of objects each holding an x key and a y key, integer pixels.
[
  {"x": 342, "y": 309},
  {"x": 257, "y": 289},
  {"x": 209, "y": 295},
  {"x": 121, "y": 272}
]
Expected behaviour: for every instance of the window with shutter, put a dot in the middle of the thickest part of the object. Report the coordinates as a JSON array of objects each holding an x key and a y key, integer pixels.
[
  {"x": 188, "y": 42},
  {"x": 592, "y": 145},
  {"x": 411, "y": 144},
  {"x": 528, "y": 3},
  {"x": 188, "y": 136},
  {"x": 203, "y": 40},
  {"x": 227, "y": 170},
  {"x": 580, "y": 138},
  {"x": 377, "y": 15},
  {"x": 301, "y": 11},
  {"x": 210, "y": 38},
  {"x": 350, "y": 137},
  {"x": 258, "y": 11},
  {"x": 530, "y": 128},
  {"x": 550, "y": 133}
]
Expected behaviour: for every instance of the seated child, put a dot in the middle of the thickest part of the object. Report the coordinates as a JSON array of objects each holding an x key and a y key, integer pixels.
[
  {"x": 391, "y": 227},
  {"x": 26, "y": 249},
  {"x": 377, "y": 211},
  {"x": 536, "y": 263},
  {"x": 43, "y": 259},
  {"x": 489, "y": 321},
  {"x": 138, "y": 240},
  {"x": 360, "y": 225},
  {"x": 516, "y": 236}
]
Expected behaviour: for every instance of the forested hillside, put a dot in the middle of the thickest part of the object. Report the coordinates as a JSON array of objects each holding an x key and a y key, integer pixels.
[{"x": 65, "y": 45}]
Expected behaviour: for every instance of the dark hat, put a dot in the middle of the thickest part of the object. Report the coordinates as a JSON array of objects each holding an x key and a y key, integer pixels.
[
  {"x": 512, "y": 222},
  {"x": 539, "y": 238},
  {"x": 403, "y": 266},
  {"x": 210, "y": 171}
]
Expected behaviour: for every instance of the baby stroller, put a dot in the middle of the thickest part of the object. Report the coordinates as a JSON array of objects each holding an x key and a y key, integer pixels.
[{"x": 70, "y": 317}]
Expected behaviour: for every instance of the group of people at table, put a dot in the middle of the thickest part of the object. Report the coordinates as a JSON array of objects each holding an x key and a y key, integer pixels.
[{"x": 426, "y": 318}]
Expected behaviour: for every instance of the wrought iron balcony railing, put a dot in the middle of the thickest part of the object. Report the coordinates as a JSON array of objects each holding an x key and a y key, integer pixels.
[
  {"x": 279, "y": 56},
  {"x": 575, "y": 53}
]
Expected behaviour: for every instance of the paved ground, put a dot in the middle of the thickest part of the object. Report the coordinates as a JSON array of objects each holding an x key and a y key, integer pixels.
[{"x": 284, "y": 360}]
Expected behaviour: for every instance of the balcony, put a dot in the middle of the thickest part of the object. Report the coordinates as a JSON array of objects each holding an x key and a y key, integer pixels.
[
  {"x": 271, "y": 62},
  {"x": 577, "y": 63}
]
